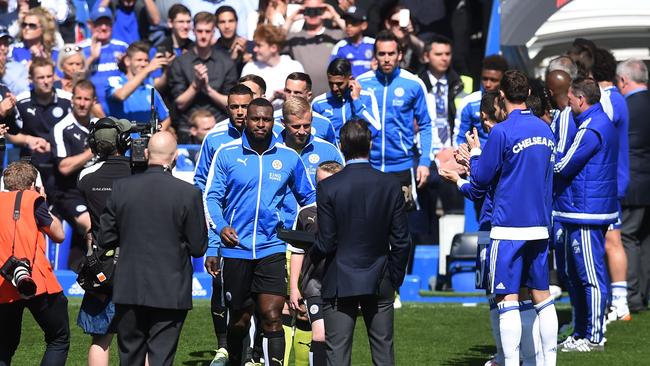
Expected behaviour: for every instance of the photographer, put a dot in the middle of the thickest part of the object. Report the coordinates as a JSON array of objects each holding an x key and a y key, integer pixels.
[
  {"x": 27, "y": 279},
  {"x": 109, "y": 139}
]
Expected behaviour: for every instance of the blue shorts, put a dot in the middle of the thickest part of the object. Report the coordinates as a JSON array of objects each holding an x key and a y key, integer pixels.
[
  {"x": 517, "y": 263},
  {"x": 619, "y": 221},
  {"x": 482, "y": 260}
]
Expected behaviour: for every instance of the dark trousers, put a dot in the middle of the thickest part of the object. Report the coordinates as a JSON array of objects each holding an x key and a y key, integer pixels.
[
  {"x": 635, "y": 232},
  {"x": 340, "y": 317},
  {"x": 146, "y": 331},
  {"x": 51, "y": 313}
]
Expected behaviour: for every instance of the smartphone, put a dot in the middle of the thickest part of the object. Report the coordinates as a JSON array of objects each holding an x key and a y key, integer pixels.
[{"x": 404, "y": 18}]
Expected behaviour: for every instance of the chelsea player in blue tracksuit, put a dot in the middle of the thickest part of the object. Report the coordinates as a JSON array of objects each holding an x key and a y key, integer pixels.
[
  {"x": 586, "y": 207},
  {"x": 517, "y": 160},
  {"x": 246, "y": 186},
  {"x": 614, "y": 105},
  {"x": 401, "y": 98}
]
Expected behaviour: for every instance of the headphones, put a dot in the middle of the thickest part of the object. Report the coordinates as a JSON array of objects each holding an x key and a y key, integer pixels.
[{"x": 122, "y": 138}]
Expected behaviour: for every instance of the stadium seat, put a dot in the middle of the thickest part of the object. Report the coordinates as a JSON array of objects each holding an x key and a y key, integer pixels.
[
  {"x": 461, "y": 262},
  {"x": 410, "y": 290},
  {"x": 425, "y": 265}
]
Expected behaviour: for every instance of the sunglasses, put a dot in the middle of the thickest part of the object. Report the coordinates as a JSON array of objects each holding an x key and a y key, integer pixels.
[
  {"x": 71, "y": 49},
  {"x": 32, "y": 26}
]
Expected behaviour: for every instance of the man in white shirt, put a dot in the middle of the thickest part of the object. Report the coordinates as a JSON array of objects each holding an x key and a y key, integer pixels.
[{"x": 269, "y": 64}]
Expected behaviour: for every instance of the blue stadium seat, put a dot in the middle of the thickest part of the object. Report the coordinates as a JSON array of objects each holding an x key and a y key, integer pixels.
[
  {"x": 58, "y": 253},
  {"x": 410, "y": 290},
  {"x": 461, "y": 262},
  {"x": 425, "y": 264}
]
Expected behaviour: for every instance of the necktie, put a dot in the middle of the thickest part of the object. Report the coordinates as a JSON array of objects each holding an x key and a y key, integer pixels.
[{"x": 441, "y": 112}]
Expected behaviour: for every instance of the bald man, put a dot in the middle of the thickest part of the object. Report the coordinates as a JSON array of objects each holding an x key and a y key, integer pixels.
[
  {"x": 563, "y": 125},
  {"x": 157, "y": 221}
]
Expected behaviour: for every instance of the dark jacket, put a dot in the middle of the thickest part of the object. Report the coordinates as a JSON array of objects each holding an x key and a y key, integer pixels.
[
  {"x": 639, "y": 134},
  {"x": 362, "y": 232},
  {"x": 157, "y": 220},
  {"x": 455, "y": 88}
]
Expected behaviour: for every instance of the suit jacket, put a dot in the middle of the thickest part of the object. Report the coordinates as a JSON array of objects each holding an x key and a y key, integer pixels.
[
  {"x": 455, "y": 86},
  {"x": 639, "y": 137},
  {"x": 158, "y": 222},
  {"x": 362, "y": 232}
]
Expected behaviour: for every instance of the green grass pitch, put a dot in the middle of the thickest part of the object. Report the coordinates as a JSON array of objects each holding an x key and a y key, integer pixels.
[{"x": 425, "y": 334}]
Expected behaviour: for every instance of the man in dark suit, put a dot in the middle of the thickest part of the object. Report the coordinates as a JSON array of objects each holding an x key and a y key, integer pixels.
[
  {"x": 632, "y": 78},
  {"x": 158, "y": 223},
  {"x": 364, "y": 239}
]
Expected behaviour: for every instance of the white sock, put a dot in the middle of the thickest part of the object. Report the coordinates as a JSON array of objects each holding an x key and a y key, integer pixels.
[
  {"x": 619, "y": 292},
  {"x": 510, "y": 329},
  {"x": 530, "y": 343},
  {"x": 548, "y": 330},
  {"x": 494, "y": 320}
]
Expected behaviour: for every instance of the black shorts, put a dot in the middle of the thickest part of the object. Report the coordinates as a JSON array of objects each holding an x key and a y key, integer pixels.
[
  {"x": 244, "y": 277},
  {"x": 69, "y": 206},
  {"x": 314, "y": 308}
]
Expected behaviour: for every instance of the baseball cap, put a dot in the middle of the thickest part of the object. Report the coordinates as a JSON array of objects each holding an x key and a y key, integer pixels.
[
  {"x": 108, "y": 134},
  {"x": 356, "y": 13},
  {"x": 101, "y": 12},
  {"x": 4, "y": 32}
]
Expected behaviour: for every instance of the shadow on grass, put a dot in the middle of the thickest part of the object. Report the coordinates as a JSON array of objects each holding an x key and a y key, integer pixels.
[
  {"x": 475, "y": 356},
  {"x": 204, "y": 358}
]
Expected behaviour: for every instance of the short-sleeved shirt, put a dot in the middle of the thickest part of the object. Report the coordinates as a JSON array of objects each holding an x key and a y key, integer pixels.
[
  {"x": 105, "y": 67},
  {"x": 96, "y": 183},
  {"x": 38, "y": 120},
  {"x": 19, "y": 53},
  {"x": 68, "y": 138},
  {"x": 222, "y": 74},
  {"x": 137, "y": 107},
  {"x": 359, "y": 55}
]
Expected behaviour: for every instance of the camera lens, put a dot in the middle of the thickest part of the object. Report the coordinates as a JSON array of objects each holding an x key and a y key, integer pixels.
[{"x": 24, "y": 282}]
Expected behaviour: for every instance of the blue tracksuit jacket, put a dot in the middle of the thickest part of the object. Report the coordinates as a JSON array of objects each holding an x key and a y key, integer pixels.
[
  {"x": 245, "y": 190},
  {"x": 339, "y": 111},
  {"x": 615, "y": 107},
  {"x": 590, "y": 167},
  {"x": 401, "y": 98}
]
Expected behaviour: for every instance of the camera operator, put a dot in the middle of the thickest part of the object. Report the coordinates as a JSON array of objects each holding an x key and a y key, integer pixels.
[
  {"x": 27, "y": 279},
  {"x": 109, "y": 139},
  {"x": 158, "y": 222}
]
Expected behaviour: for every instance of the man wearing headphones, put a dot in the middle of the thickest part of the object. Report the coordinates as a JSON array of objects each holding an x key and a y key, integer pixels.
[{"x": 108, "y": 139}]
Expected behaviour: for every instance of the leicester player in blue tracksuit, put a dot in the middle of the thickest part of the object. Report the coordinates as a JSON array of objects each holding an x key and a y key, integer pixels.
[
  {"x": 223, "y": 132},
  {"x": 586, "y": 208},
  {"x": 246, "y": 186},
  {"x": 517, "y": 159},
  {"x": 312, "y": 150},
  {"x": 401, "y": 97},
  {"x": 345, "y": 99}
]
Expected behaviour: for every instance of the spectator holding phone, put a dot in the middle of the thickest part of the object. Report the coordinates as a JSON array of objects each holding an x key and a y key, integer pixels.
[
  {"x": 129, "y": 95},
  {"x": 399, "y": 23},
  {"x": 313, "y": 45}
]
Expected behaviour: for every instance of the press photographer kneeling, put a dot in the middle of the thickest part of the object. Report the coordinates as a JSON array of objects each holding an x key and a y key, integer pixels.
[{"x": 27, "y": 279}]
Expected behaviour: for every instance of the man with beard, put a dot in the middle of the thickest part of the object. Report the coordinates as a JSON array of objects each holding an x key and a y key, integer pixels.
[{"x": 246, "y": 216}]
